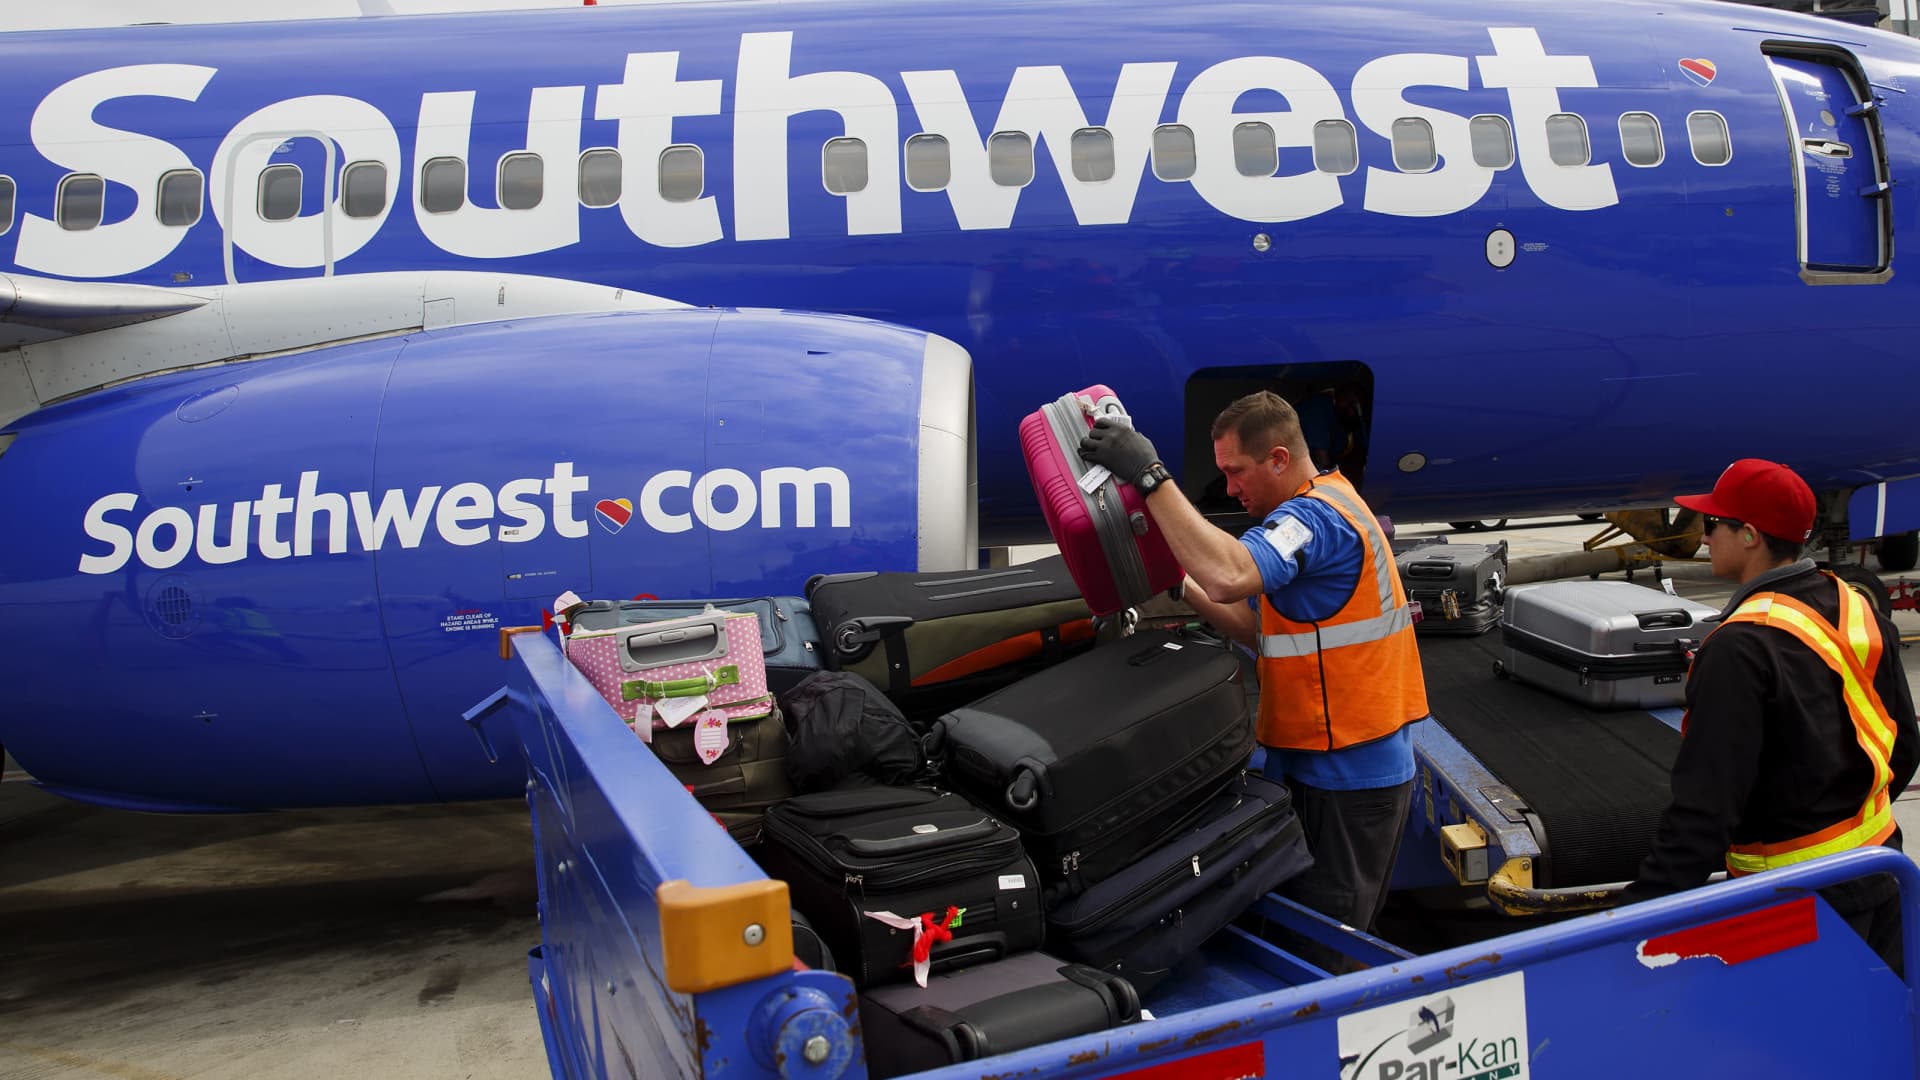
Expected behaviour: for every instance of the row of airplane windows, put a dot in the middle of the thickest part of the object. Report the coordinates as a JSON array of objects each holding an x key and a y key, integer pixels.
[{"x": 80, "y": 202}]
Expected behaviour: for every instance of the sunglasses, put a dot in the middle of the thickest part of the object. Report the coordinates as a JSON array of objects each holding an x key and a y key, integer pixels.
[{"x": 1711, "y": 523}]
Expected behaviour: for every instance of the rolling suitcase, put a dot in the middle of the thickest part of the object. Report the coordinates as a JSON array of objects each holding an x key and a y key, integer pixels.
[
  {"x": 1019, "y": 1002},
  {"x": 1242, "y": 844},
  {"x": 1605, "y": 644},
  {"x": 863, "y": 850},
  {"x": 1457, "y": 585},
  {"x": 667, "y": 673},
  {"x": 1111, "y": 544},
  {"x": 738, "y": 786},
  {"x": 1098, "y": 758},
  {"x": 909, "y": 633},
  {"x": 788, "y": 640}
]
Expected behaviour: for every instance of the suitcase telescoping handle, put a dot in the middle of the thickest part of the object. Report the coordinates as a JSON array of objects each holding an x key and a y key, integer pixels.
[
  {"x": 676, "y": 641},
  {"x": 901, "y": 845}
]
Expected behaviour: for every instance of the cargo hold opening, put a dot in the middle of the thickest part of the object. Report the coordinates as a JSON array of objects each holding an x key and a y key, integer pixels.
[{"x": 1335, "y": 403}]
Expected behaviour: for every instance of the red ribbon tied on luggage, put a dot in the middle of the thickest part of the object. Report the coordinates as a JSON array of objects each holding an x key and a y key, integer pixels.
[{"x": 926, "y": 934}]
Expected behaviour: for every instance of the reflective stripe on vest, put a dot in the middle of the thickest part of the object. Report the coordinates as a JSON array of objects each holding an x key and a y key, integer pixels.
[
  {"x": 1354, "y": 676},
  {"x": 1395, "y": 617},
  {"x": 1851, "y": 655}
]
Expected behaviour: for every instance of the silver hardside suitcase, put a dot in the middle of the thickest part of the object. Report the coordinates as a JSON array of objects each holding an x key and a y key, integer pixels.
[{"x": 1604, "y": 644}]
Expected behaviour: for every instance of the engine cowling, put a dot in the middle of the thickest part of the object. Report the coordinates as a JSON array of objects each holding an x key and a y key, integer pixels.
[{"x": 277, "y": 582}]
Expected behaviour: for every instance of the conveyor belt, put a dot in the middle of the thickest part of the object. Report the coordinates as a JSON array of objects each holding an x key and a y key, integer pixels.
[{"x": 1596, "y": 780}]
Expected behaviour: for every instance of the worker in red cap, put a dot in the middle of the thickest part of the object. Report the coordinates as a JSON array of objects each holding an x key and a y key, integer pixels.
[{"x": 1800, "y": 728}]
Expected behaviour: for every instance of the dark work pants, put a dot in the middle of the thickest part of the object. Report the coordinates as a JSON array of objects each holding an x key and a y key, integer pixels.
[
  {"x": 1871, "y": 905},
  {"x": 1354, "y": 837}
]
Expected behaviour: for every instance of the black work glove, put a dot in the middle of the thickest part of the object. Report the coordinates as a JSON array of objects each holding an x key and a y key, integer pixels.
[{"x": 1120, "y": 448}]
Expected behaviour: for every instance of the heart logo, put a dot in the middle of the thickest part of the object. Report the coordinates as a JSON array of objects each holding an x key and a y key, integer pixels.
[
  {"x": 613, "y": 514},
  {"x": 1700, "y": 71}
]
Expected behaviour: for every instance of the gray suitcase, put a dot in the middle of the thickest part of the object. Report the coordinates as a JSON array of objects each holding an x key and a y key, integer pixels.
[
  {"x": 1457, "y": 586},
  {"x": 1605, "y": 644}
]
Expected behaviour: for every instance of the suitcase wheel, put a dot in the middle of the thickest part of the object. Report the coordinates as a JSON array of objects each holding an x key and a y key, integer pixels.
[
  {"x": 1500, "y": 670},
  {"x": 1024, "y": 793}
]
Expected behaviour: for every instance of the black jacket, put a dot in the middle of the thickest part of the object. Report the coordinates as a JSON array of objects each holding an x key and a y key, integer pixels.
[{"x": 1770, "y": 752}]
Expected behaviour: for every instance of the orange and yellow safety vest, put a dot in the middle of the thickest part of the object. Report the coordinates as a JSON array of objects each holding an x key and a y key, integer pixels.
[
  {"x": 1353, "y": 677},
  {"x": 1852, "y": 652}
]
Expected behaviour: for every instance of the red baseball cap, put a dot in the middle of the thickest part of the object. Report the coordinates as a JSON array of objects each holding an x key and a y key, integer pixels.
[{"x": 1764, "y": 494}]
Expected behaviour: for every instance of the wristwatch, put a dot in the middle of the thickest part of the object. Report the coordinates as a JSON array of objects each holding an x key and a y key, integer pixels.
[{"x": 1155, "y": 475}]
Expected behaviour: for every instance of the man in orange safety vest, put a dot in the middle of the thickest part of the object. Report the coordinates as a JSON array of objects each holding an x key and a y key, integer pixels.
[{"x": 1800, "y": 727}]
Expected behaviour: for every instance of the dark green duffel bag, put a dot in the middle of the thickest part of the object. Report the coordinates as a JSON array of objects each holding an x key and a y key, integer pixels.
[{"x": 748, "y": 776}]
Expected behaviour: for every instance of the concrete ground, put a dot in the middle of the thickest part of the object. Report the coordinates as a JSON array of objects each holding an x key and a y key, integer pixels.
[{"x": 384, "y": 943}]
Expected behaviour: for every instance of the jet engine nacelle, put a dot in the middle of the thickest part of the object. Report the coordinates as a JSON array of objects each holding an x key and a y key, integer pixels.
[{"x": 279, "y": 582}]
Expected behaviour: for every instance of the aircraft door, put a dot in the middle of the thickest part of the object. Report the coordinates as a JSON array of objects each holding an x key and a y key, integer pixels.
[
  {"x": 1840, "y": 177},
  {"x": 275, "y": 196}
]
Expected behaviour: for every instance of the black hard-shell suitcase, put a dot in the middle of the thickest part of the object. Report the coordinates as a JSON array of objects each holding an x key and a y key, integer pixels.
[
  {"x": 865, "y": 848},
  {"x": 787, "y": 634},
  {"x": 1098, "y": 758},
  {"x": 748, "y": 776},
  {"x": 908, "y": 633},
  {"x": 1139, "y": 923},
  {"x": 1019, "y": 1002},
  {"x": 1457, "y": 585},
  {"x": 1604, "y": 644}
]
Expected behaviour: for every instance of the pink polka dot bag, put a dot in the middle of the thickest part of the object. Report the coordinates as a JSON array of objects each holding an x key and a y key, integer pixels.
[{"x": 676, "y": 668}]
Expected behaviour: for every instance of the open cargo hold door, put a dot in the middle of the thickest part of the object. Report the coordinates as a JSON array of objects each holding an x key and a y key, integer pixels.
[{"x": 1842, "y": 189}]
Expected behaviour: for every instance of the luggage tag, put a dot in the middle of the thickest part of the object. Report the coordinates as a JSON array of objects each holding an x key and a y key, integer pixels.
[
  {"x": 642, "y": 722},
  {"x": 710, "y": 737},
  {"x": 1095, "y": 476},
  {"x": 564, "y": 607},
  {"x": 926, "y": 934},
  {"x": 675, "y": 711}
]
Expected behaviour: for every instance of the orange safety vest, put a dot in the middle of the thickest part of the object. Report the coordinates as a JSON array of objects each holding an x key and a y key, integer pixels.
[
  {"x": 1351, "y": 678},
  {"x": 1853, "y": 655}
]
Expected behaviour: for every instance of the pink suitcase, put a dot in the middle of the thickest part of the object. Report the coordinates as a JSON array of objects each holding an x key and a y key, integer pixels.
[
  {"x": 1114, "y": 551},
  {"x": 716, "y": 655}
]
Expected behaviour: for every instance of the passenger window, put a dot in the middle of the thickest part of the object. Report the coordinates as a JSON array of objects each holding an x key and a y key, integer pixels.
[
  {"x": 1707, "y": 132},
  {"x": 1567, "y": 140},
  {"x": 600, "y": 177},
  {"x": 1640, "y": 139},
  {"x": 180, "y": 200},
  {"x": 443, "y": 185},
  {"x": 80, "y": 203},
  {"x": 1413, "y": 148},
  {"x": 1492, "y": 141},
  {"x": 1173, "y": 154},
  {"x": 683, "y": 173},
  {"x": 1255, "y": 153},
  {"x": 6, "y": 205},
  {"x": 1093, "y": 155},
  {"x": 1335, "y": 148},
  {"x": 843, "y": 165},
  {"x": 522, "y": 180},
  {"x": 363, "y": 189},
  {"x": 929, "y": 163},
  {"x": 1010, "y": 158},
  {"x": 279, "y": 193}
]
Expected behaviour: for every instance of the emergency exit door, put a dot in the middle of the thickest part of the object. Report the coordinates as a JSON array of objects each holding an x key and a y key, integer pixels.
[{"x": 1840, "y": 172}]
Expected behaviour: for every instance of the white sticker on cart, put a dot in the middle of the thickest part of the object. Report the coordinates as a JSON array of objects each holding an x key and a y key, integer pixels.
[{"x": 1475, "y": 1031}]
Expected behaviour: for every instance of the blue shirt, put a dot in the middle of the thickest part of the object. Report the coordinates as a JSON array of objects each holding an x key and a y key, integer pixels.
[{"x": 1310, "y": 562}]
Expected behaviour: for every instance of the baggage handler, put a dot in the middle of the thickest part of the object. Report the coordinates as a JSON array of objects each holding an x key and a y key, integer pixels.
[
  {"x": 1799, "y": 730},
  {"x": 1314, "y": 591}
]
